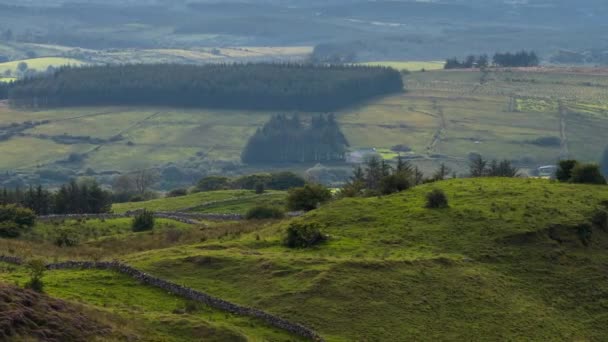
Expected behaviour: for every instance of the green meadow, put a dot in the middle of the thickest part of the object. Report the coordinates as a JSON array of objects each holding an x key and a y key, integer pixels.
[{"x": 514, "y": 259}]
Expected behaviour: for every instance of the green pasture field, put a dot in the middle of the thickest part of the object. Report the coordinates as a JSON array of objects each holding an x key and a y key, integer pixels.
[{"x": 443, "y": 116}]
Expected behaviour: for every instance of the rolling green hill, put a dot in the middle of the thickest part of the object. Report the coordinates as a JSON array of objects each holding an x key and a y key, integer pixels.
[{"x": 510, "y": 259}]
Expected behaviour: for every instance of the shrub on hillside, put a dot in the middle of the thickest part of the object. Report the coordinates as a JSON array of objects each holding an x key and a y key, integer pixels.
[
  {"x": 66, "y": 237},
  {"x": 143, "y": 221},
  {"x": 587, "y": 174},
  {"x": 436, "y": 199},
  {"x": 395, "y": 183},
  {"x": 308, "y": 197},
  {"x": 36, "y": 269},
  {"x": 213, "y": 183},
  {"x": 177, "y": 193},
  {"x": 303, "y": 235},
  {"x": 564, "y": 170},
  {"x": 263, "y": 212},
  {"x": 260, "y": 188},
  {"x": 15, "y": 220}
]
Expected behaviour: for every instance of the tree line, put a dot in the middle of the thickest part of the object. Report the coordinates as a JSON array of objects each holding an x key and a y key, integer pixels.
[
  {"x": 287, "y": 139},
  {"x": 508, "y": 59},
  {"x": 295, "y": 87},
  {"x": 4, "y": 90},
  {"x": 85, "y": 197}
]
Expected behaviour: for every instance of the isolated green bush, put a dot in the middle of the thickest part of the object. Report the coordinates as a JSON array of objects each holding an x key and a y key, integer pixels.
[
  {"x": 177, "y": 193},
  {"x": 587, "y": 174},
  {"x": 143, "y": 221},
  {"x": 260, "y": 188},
  {"x": 36, "y": 269},
  {"x": 436, "y": 199},
  {"x": 263, "y": 212},
  {"x": 66, "y": 237},
  {"x": 15, "y": 220},
  {"x": 308, "y": 197},
  {"x": 303, "y": 235},
  {"x": 564, "y": 170}
]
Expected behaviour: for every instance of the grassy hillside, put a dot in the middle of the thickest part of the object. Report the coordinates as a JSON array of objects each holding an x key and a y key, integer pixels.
[
  {"x": 510, "y": 259},
  {"x": 443, "y": 116},
  {"x": 216, "y": 202},
  {"x": 145, "y": 313}
]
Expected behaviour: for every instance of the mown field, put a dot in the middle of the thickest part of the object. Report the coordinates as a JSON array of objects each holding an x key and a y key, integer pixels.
[
  {"x": 443, "y": 116},
  {"x": 514, "y": 259}
]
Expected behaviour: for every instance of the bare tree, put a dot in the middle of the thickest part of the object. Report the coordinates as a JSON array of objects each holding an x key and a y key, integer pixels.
[{"x": 144, "y": 179}]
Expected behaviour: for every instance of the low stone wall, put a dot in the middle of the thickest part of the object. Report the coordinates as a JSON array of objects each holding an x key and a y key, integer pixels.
[
  {"x": 182, "y": 291},
  {"x": 163, "y": 215}
]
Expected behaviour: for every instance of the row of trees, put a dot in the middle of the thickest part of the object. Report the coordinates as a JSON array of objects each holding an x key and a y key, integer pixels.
[
  {"x": 272, "y": 181},
  {"x": 234, "y": 86},
  {"x": 288, "y": 139},
  {"x": 518, "y": 59},
  {"x": 3, "y": 90},
  {"x": 85, "y": 197},
  {"x": 377, "y": 177}
]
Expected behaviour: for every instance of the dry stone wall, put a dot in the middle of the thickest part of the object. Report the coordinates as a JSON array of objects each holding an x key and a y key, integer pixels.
[{"x": 181, "y": 291}]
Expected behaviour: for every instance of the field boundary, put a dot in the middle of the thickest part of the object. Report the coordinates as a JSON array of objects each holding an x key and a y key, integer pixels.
[{"x": 181, "y": 291}]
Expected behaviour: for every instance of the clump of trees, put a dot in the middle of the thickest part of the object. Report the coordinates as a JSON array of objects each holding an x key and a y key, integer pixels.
[
  {"x": 287, "y": 139},
  {"x": 480, "y": 167},
  {"x": 303, "y": 235},
  {"x": 377, "y": 177},
  {"x": 296, "y": 87},
  {"x": 265, "y": 181},
  {"x": 604, "y": 162},
  {"x": 308, "y": 197},
  {"x": 84, "y": 197},
  {"x": 573, "y": 171},
  {"x": 135, "y": 186},
  {"x": 518, "y": 59},
  {"x": 4, "y": 90},
  {"x": 15, "y": 220}
]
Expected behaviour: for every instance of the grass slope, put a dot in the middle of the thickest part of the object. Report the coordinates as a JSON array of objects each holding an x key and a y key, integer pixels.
[
  {"x": 145, "y": 312},
  {"x": 504, "y": 262},
  {"x": 215, "y": 202}
]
